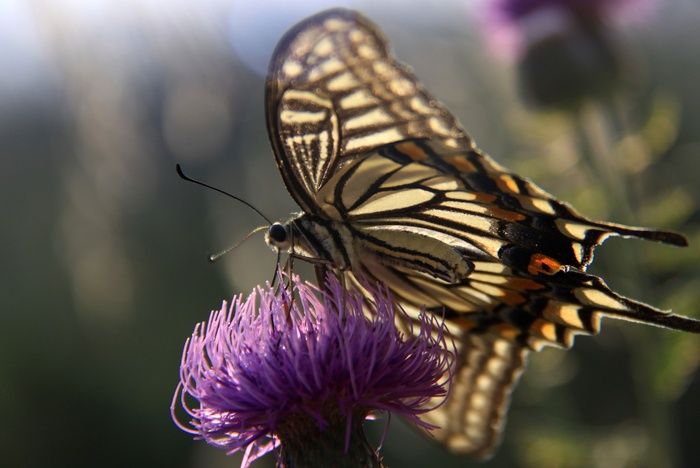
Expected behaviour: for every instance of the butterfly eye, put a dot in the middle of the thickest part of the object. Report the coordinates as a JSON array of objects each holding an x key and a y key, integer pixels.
[{"x": 277, "y": 233}]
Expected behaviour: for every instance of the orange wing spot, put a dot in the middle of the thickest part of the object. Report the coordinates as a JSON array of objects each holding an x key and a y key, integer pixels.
[
  {"x": 412, "y": 150},
  {"x": 462, "y": 164},
  {"x": 523, "y": 283},
  {"x": 542, "y": 264},
  {"x": 507, "y": 183},
  {"x": 507, "y": 214},
  {"x": 484, "y": 197},
  {"x": 545, "y": 329},
  {"x": 505, "y": 330},
  {"x": 464, "y": 323},
  {"x": 512, "y": 298}
]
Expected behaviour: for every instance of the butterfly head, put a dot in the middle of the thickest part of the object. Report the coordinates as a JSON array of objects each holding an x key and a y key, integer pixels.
[
  {"x": 278, "y": 236},
  {"x": 311, "y": 239}
]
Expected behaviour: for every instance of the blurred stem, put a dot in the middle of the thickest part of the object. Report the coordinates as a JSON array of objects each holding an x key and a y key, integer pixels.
[
  {"x": 597, "y": 129},
  {"x": 615, "y": 112},
  {"x": 305, "y": 445},
  {"x": 596, "y": 154}
]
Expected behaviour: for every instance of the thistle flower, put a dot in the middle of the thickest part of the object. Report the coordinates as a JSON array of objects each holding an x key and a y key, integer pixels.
[
  {"x": 565, "y": 49},
  {"x": 301, "y": 369},
  {"x": 515, "y": 10}
]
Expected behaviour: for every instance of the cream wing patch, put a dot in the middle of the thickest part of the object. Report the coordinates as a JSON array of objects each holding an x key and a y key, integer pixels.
[{"x": 472, "y": 419}]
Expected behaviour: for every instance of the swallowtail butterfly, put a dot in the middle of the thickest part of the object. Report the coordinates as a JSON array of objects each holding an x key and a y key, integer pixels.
[{"x": 392, "y": 189}]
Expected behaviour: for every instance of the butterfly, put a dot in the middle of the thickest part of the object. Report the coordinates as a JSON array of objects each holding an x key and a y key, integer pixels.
[{"x": 392, "y": 189}]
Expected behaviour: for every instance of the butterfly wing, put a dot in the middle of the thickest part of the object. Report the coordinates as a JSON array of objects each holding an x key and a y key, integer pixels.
[
  {"x": 358, "y": 140},
  {"x": 525, "y": 252},
  {"x": 417, "y": 207},
  {"x": 472, "y": 419},
  {"x": 334, "y": 92}
]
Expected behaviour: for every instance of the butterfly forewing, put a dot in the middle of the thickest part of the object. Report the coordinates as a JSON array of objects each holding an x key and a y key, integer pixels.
[{"x": 333, "y": 92}]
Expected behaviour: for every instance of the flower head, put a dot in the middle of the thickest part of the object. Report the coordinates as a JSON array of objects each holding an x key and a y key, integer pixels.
[
  {"x": 518, "y": 9},
  {"x": 281, "y": 360},
  {"x": 509, "y": 24},
  {"x": 565, "y": 50}
]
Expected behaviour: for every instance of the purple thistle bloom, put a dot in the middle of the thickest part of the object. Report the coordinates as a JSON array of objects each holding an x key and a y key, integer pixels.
[
  {"x": 518, "y": 9},
  {"x": 279, "y": 360},
  {"x": 565, "y": 50},
  {"x": 509, "y": 24}
]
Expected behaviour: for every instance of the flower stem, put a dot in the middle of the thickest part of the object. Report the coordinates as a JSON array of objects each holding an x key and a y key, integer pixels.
[{"x": 305, "y": 445}]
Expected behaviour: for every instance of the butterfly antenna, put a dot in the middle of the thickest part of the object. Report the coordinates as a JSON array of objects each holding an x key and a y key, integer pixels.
[
  {"x": 190, "y": 179},
  {"x": 216, "y": 256}
]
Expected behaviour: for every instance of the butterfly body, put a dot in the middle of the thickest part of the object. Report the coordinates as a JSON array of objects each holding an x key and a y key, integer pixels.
[
  {"x": 393, "y": 190},
  {"x": 340, "y": 245},
  {"x": 317, "y": 240}
]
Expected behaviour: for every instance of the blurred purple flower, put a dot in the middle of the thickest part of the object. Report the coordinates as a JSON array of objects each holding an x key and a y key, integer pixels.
[
  {"x": 509, "y": 24},
  {"x": 566, "y": 51},
  {"x": 260, "y": 365},
  {"x": 517, "y": 9}
]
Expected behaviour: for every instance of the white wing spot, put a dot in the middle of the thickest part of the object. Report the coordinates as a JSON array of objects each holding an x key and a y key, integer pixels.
[
  {"x": 473, "y": 418},
  {"x": 393, "y": 200},
  {"x": 401, "y": 87},
  {"x": 578, "y": 251},
  {"x": 306, "y": 97},
  {"x": 443, "y": 183},
  {"x": 459, "y": 195},
  {"x": 334, "y": 24},
  {"x": 382, "y": 68},
  {"x": 342, "y": 82},
  {"x": 377, "y": 116},
  {"x": 359, "y": 98},
  {"x": 597, "y": 298},
  {"x": 575, "y": 230},
  {"x": 292, "y": 69},
  {"x": 459, "y": 443},
  {"x": 489, "y": 289},
  {"x": 473, "y": 221},
  {"x": 368, "y": 52},
  {"x": 462, "y": 206},
  {"x": 479, "y": 401},
  {"x": 502, "y": 347},
  {"x": 327, "y": 67},
  {"x": 323, "y": 156},
  {"x": 484, "y": 383},
  {"x": 439, "y": 126},
  {"x": 324, "y": 47},
  {"x": 357, "y": 35},
  {"x": 408, "y": 174},
  {"x": 543, "y": 205},
  {"x": 490, "y": 267},
  {"x": 375, "y": 139},
  {"x": 301, "y": 117},
  {"x": 419, "y": 104}
]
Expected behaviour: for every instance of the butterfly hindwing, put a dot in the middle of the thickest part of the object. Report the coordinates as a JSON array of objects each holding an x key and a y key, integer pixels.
[
  {"x": 524, "y": 276},
  {"x": 471, "y": 420}
]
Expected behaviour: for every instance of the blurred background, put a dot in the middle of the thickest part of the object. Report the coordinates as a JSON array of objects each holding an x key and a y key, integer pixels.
[{"x": 104, "y": 269}]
